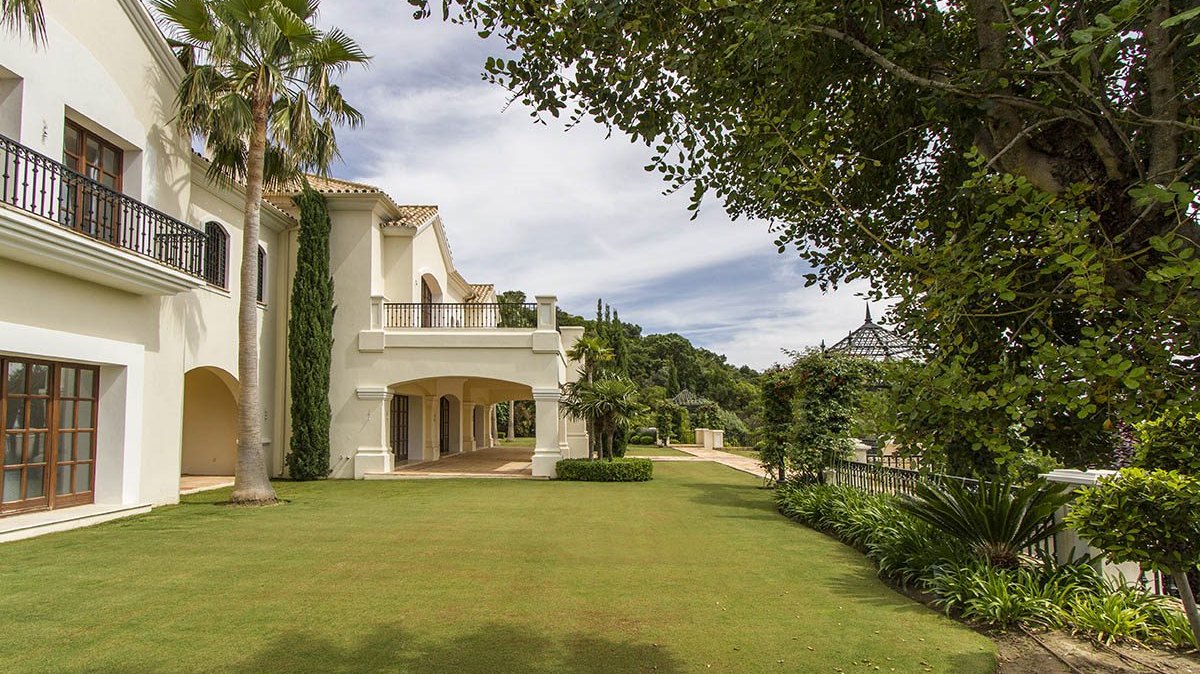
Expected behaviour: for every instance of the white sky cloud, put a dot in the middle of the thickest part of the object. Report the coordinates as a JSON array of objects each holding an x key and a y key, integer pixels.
[{"x": 531, "y": 207}]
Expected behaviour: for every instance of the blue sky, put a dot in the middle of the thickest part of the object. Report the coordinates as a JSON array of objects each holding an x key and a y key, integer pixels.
[{"x": 533, "y": 207}]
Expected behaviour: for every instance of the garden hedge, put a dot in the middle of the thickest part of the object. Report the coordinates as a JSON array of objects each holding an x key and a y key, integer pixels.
[{"x": 617, "y": 470}]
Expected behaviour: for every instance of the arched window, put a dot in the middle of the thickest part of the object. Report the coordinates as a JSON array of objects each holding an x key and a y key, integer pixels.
[
  {"x": 216, "y": 255},
  {"x": 262, "y": 273}
]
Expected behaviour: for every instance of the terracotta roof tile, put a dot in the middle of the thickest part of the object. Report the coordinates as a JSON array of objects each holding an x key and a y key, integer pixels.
[
  {"x": 481, "y": 290},
  {"x": 413, "y": 216}
]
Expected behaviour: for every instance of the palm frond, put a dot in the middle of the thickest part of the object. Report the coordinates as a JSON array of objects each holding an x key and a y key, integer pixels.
[
  {"x": 997, "y": 520},
  {"x": 234, "y": 52},
  {"x": 25, "y": 16}
]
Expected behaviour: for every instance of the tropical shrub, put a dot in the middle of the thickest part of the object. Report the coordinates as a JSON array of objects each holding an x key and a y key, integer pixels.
[
  {"x": 1148, "y": 517},
  {"x": 996, "y": 520},
  {"x": 608, "y": 404},
  {"x": 617, "y": 470}
]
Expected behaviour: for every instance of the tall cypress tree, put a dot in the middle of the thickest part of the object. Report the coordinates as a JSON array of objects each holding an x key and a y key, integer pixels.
[
  {"x": 310, "y": 342},
  {"x": 620, "y": 345}
]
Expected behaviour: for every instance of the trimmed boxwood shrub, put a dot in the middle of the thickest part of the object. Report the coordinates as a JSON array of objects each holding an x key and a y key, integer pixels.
[{"x": 617, "y": 470}]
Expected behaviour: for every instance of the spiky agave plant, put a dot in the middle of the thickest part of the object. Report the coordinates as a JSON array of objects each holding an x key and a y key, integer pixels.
[{"x": 996, "y": 520}]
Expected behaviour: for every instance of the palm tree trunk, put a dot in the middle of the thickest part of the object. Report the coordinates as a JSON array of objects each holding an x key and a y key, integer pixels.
[
  {"x": 608, "y": 439},
  {"x": 251, "y": 483},
  {"x": 512, "y": 419}
]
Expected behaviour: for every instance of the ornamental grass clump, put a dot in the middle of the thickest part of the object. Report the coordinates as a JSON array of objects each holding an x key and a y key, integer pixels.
[
  {"x": 996, "y": 520},
  {"x": 998, "y": 597}
]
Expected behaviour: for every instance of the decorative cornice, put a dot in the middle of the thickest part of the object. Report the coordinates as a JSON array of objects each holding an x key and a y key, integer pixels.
[{"x": 372, "y": 393}]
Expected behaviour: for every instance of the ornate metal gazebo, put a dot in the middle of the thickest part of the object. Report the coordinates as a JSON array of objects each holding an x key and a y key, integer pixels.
[
  {"x": 872, "y": 341},
  {"x": 688, "y": 399}
]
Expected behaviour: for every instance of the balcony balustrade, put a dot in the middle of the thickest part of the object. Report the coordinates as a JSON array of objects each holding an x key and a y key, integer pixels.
[
  {"x": 38, "y": 185},
  {"x": 433, "y": 315}
]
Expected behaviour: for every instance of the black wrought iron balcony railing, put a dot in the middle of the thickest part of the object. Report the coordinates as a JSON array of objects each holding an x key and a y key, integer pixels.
[
  {"x": 433, "y": 315},
  {"x": 38, "y": 185}
]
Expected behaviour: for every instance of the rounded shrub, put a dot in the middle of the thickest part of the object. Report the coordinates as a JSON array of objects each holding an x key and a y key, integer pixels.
[
  {"x": 1171, "y": 442},
  {"x": 617, "y": 470}
]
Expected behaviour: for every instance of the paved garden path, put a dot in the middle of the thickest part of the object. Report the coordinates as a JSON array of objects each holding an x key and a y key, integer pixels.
[{"x": 742, "y": 463}]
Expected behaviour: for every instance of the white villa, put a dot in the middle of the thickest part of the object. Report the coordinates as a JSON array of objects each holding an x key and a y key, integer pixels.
[{"x": 118, "y": 314}]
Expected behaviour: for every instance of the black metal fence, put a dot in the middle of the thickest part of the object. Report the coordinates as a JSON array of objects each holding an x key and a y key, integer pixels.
[
  {"x": 433, "y": 315},
  {"x": 876, "y": 478},
  {"x": 38, "y": 185},
  {"x": 895, "y": 461}
]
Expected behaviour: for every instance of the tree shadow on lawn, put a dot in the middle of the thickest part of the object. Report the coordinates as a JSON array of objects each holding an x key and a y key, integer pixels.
[
  {"x": 861, "y": 585},
  {"x": 725, "y": 495},
  {"x": 490, "y": 649}
]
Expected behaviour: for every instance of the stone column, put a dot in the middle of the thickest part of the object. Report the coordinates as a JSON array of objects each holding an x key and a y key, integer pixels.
[
  {"x": 373, "y": 454},
  {"x": 546, "y": 452},
  {"x": 430, "y": 429},
  {"x": 547, "y": 312},
  {"x": 564, "y": 447},
  {"x": 468, "y": 419},
  {"x": 489, "y": 430}
]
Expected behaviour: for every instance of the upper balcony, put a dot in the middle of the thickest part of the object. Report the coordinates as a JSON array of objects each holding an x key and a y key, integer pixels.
[
  {"x": 437, "y": 315},
  {"x": 55, "y": 218},
  {"x": 470, "y": 325}
]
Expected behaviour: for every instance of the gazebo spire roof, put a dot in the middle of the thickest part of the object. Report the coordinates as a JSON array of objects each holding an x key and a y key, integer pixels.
[{"x": 873, "y": 341}]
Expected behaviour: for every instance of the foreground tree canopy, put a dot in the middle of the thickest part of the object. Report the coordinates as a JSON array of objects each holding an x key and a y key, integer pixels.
[{"x": 1019, "y": 174}]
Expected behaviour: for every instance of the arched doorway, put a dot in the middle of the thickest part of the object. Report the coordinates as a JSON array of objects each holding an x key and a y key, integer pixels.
[
  {"x": 449, "y": 425},
  {"x": 209, "y": 422}
]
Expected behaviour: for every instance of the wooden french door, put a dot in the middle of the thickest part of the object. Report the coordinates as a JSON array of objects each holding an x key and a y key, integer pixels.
[
  {"x": 85, "y": 207},
  {"x": 426, "y": 305},
  {"x": 444, "y": 426},
  {"x": 49, "y": 411},
  {"x": 400, "y": 427}
]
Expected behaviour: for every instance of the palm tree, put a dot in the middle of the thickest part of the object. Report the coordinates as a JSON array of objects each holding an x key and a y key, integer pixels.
[
  {"x": 258, "y": 87},
  {"x": 590, "y": 352},
  {"x": 24, "y": 16},
  {"x": 608, "y": 403}
]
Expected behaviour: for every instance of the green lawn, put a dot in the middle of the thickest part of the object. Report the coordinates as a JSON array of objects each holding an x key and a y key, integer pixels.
[
  {"x": 693, "y": 572},
  {"x": 517, "y": 442}
]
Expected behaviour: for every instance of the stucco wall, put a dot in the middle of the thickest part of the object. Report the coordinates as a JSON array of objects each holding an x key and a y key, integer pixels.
[{"x": 126, "y": 95}]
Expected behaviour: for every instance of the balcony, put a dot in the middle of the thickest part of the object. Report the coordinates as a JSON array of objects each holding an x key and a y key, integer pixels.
[
  {"x": 114, "y": 239},
  {"x": 434, "y": 325},
  {"x": 432, "y": 315}
]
